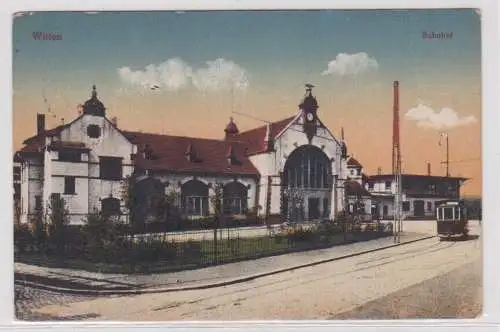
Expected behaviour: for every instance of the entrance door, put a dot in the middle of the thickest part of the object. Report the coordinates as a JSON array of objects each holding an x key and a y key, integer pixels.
[
  {"x": 418, "y": 209},
  {"x": 385, "y": 211},
  {"x": 313, "y": 204}
]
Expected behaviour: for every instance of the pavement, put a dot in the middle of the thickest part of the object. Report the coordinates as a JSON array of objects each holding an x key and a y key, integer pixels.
[{"x": 89, "y": 283}]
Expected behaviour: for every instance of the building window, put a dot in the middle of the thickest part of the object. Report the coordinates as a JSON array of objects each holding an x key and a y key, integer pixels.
[
  {"x": 70, "y": 156},
  {"x": 371, "y": 185},
  {"x": 233, "y": 206},
  {"x": 93, "y": 131},
  {"x": 17, "y": 173},
  {"x": 406, "y": 206},
  {"x": 17, "y": 190},
  {"x": 235, "y": 198},
  {"x": 429, "y": 206},
  {"x": 110, "y": 168},
  {"x": 195, "y": 198},
  {"x": 431, "y": 188},
  {"x": 110, "y": 206},
  {"x": 69, "y": 185},
  {"x": 326, "y": 208},
  {"x": 38, "y": 203},
  {"x": 56, "y": 201},
  {"x": 388, "y": 185},
  {"x": 307, "y": 167},
  {"x": 196, "y": 205}
]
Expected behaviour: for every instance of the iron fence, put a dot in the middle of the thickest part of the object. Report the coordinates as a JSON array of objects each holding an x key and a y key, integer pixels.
[{"x": 178, "y": 250}]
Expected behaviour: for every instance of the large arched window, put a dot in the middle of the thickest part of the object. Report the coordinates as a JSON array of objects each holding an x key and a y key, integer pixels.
[
  {"x": 307, "y": 167},
  {"x": 235, "y": 197},
  {"x": 195, "y": 198}
]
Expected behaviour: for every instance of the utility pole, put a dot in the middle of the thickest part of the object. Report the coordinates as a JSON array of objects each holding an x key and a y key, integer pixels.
[
  {"x": 447, "y": 161},
  {"x": 396, "y": 163},
  {"x": 447, "y": 156}
]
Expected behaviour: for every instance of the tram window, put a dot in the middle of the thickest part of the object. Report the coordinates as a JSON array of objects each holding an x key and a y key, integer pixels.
[{"x": 447, "y": 213}]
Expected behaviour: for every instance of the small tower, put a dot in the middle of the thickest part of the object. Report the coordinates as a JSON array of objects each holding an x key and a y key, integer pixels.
[
  {"x": 94, "y": 106},
  {"x": 343, "y": 145},
  {"x": 231, "y": 129},
  {"x": 309, "y": 108}
]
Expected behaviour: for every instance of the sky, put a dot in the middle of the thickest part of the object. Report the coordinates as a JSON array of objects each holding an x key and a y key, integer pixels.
[{"x": 186, "y": 73}]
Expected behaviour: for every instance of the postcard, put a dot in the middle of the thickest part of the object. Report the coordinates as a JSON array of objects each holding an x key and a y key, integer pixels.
[{"x": 247, "y": 165}]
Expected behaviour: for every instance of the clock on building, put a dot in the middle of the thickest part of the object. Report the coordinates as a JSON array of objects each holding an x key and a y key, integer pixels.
[
  {"x": 310, "y": 117},
  {"x": 309, "y": 107}
]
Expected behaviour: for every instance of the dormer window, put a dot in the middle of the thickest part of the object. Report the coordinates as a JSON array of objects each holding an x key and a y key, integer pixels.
[
  {"x": 191, "y": 154},
  {"x": 147, "y": 154},
  {"x": 231, "y": 157}
]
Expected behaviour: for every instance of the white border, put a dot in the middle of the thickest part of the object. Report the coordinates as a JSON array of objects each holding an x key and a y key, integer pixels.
[{"x": 491, "y": 161}]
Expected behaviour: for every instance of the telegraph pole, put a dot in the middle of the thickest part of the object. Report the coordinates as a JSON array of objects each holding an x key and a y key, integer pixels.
[
  {"x": 447, "y": 161},
  {"x": 447, "y": 156},
  {"x": 396, "y": 163}
]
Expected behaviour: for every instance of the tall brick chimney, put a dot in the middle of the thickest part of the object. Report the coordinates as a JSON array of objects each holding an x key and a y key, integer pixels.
[{"x": 40, "y": 123}]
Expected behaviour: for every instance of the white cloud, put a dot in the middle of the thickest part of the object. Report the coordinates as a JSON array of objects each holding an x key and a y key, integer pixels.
[
  {"x": 425, "y": 116},
  {"x": 174, "y": 74},
  {"x": 351, "y": 64},
  {"x": 220, "y": 74}
]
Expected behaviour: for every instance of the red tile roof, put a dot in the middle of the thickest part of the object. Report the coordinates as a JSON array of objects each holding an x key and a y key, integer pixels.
[
  {"x": 353, "y": 162},
  {"x": 254, "y": 138},
  {"x": 168, "y": 153},
  {"x": 353, "y": 188},
  {"x": 205, "y": 155}
]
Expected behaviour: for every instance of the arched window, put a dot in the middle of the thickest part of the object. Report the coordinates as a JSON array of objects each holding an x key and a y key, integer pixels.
[
  {"x": 307, "y": 167},
  {"x": 235, "y": 197},
  {"x": 110, "y": 206},
  {"x": 195, "y": 198}
]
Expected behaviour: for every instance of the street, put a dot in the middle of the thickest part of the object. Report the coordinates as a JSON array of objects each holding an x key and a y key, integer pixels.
[{"x": 406, "y": 275}]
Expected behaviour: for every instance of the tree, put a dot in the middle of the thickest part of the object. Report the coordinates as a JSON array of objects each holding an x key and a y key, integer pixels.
[
  {"x": 171, "y": 206},
  {"x": 57, "y": 221},
  {"x": 129, "y": 197},
  {"x": 216, "y": 201},
  {"x": 102, "y": 234}
]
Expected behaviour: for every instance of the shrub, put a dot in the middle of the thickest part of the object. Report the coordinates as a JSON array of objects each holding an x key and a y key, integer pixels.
[
  {"x": 299, "y": 234},
  {"x": 38, "y": 229},
  {"x": 56, "y": 222},
  {"x": 22, "y": 237},
  {"x": 329, "y": 228},
  {"x": 356, "y": 227},
  {"x": 103, "y": 235}
]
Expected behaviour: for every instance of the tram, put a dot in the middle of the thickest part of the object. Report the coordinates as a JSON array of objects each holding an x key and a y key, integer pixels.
[{"x": 451, "y": 217}]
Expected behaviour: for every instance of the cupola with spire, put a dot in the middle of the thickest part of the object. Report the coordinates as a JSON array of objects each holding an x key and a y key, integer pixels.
[
  {"x": 309, "y": 107},
  {"x": 309, "y": 103},
  {"x": 231, "y": 129},
  {"x": 94, "y": 106}
]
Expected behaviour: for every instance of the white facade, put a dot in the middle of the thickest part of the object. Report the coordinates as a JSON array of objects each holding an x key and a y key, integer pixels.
[
  {"x": 43, "y": 177},
  {"x": 272, "y": 164},
  {"x": 82, "y": 183},
  {"x": 416, "y": 203}
]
